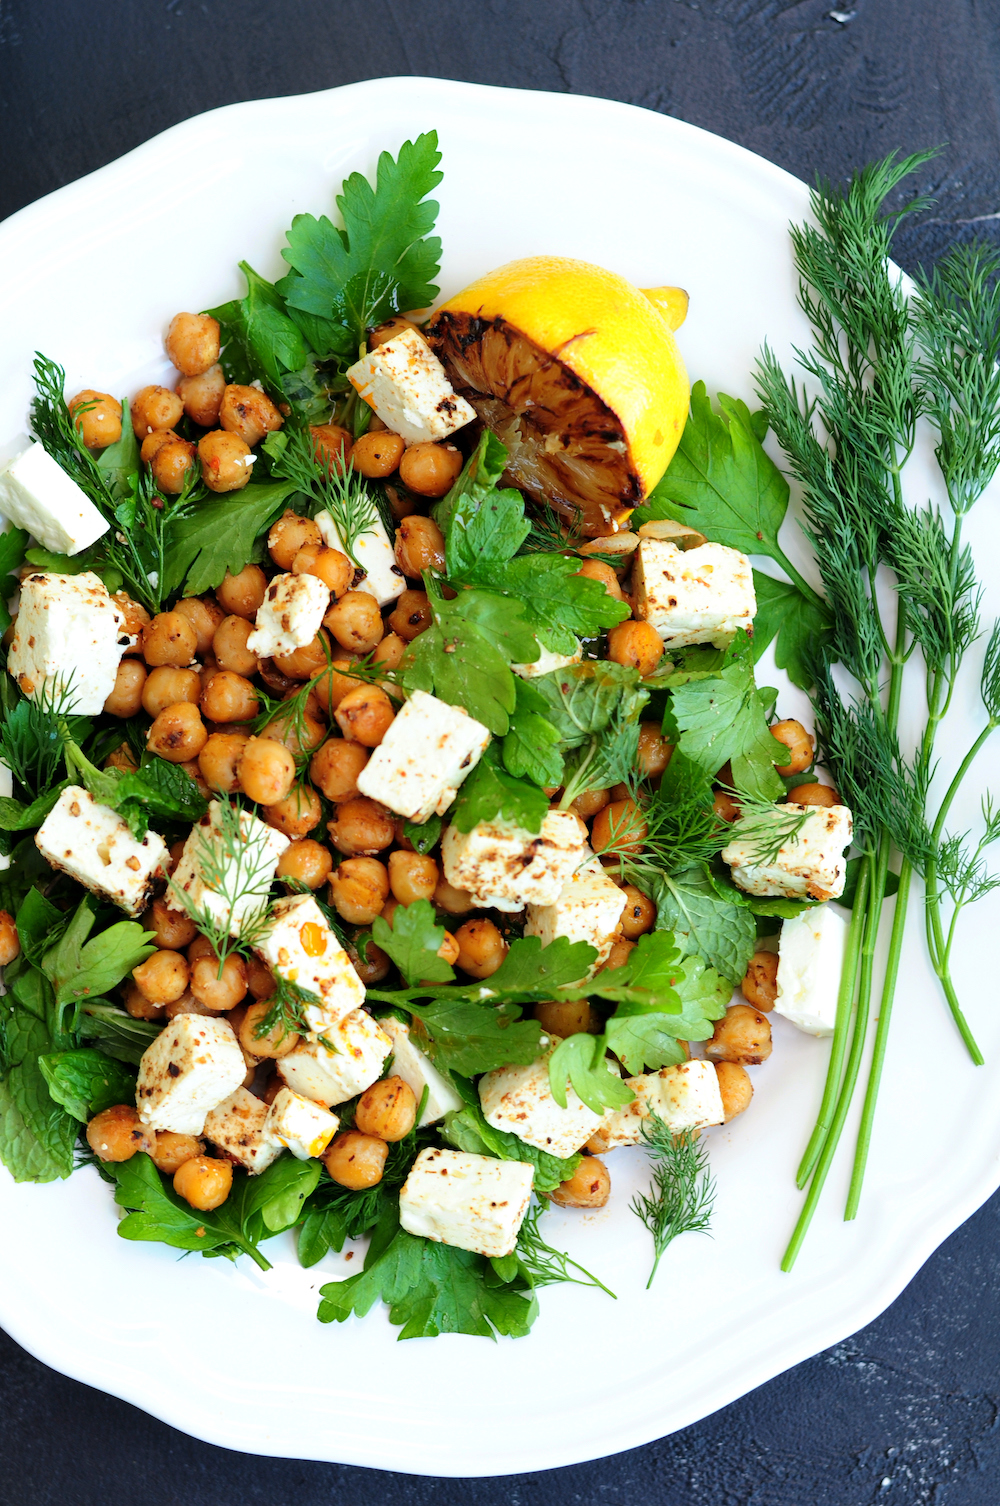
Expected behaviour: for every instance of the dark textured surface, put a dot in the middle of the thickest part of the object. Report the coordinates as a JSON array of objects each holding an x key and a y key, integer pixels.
[{"x": 907, "y": 1410}]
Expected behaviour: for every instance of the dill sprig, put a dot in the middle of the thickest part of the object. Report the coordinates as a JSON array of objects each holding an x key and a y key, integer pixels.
[
  {"x": 766, "y": 828},
  {"x": 286, "y": 1008},
  {"x": 545, "y": 1265},
  {"x": 682, "y": 1195},
  {"x": 341, "y": 491},
  {"x": 32, "y": 735},
  {"x": 229, "y": 862}
]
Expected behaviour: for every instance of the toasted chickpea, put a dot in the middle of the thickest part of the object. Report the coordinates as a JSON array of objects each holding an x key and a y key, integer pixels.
[
  {"x": 590, "y": 803},
  {"x": 742, "y": 1035},
  {"x": 202, "y": 396},
  {"x": 387, "y": 1109},
  {"x": 219, "y": 760},
  {"x": 171, "y": 929},
  {"x": 274, "y": 1043},
  {"x": 621, "y": 825},
  {"x": 204, "y": 1182},
  {"x": 162, "y": 977},
  {"x": 168, "y": 639},
  {"x": 390, "y": 651},
  {"x": 122, "y": 758},
  {"x": 228, "y": 698},
  {"x": 153, "y": 444},
  {"x": 297, "y": 734},
  {"x": 334, "y": 768},
  {"x": 171, "y": 1150},
  {"x": 126, "y": 697},
  {"x": 356, "y": 622},
  {"x": 760, "y": 983},
  {"x": 430, "y": 469},
  {"x": 205, "y": 616},
  {"x": 155, "y": 408},
  {"x": 166, "y": 686},
  {"x": 260, "y": 981},
  {"x": 564, "y": 1016},
  {"x": 295, "y": 816},
  {"x": 402, "y": 502},
  {"x": 358, "y": 890},
  {"x": 101, "y": 423},
  {"x": 390, "y": 329},
  {"x": 599, "y": 571},
  {"x": 724, "y": 806},
  {"x": 225, "y": 461},
  {"x": 638, "y": 915},
  {"x": 192, "y": 343},
  {"x": 178, "y": 734},
  {"x": 328, "y": 565},
  {"x": 10, "y": 942},
  {"x": 306, "y": 662},
  {"x": 332, "y": 684},
  {"x": 377, "y": 454},
  {"x": 219, "y": 992},
  {"x": 618, "y": 955},
  {"x": 266, "y": 770},
  {"x": 136, "y": 619},
  {"x": 635, "y": 644},
  {"x": 361, "y": 827},
  {"x": 242, "y": 594},
  {"x": 330, "y": 445},
  {"x": 138, "y": 1006},
  {"x": 448, "y": 950},
  {"x": 373, "y": 966},
  {"x": 654, "y": 750},
  {"x": 171, "y": 464},
  {"x": 306, "y": 862},
  {"x": 355, "y": 1160},
  {"x": 117, "y": 1133},
  {"x": 411, "y": 615},
  {"x": 419, "y": 546},
  {"x": 248, "y": 412},
  {"x": 481, "y": 948},
  {"x": 799, "y": 744},
  {"x": 200, "y": 947},
  {"x": 365, "y": 715},
  {"x": 290, "y": 534},
  {"x": 229, "y": 646},
  {"x": 735, "y": 1088},
  {"x": 814, "y": 794},
  {"x": 588, "y": 1187},
  {"x": 412, "y": 876},
  {"x": 451, "y": 900}
]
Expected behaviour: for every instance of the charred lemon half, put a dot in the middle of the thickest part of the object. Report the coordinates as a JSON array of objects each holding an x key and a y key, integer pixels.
[{"x": 578, "y": 373}]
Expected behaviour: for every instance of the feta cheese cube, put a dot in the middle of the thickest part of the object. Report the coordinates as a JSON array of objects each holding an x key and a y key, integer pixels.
[
  {"x": 588, "y": 909},
  {"x": 810, "y": 864},
  {"x": 299, "y": 945},
  {"x": 241, "y": 880},
  {"x": 345, "y": 1061},
  {"x": 546, "y": 662},
  {"x": 419, "y": 1072},
  {"x": 68, "y": 639},
  {"x": 37, "y": 494},
  {"x": 695, "y": 595},
  {"x": 810, "y": 962},
  {"x": 504, "y": 867},
  {"x": 194, "y": 1064},
  {"x": 93, "y": 844},
  {"x": 405, "y": 383},
  {"x": 374, "y": 553},
  {"x": 301, "y": 1126},
  {"x": 519, "y": 1100},
  {"x": 429, "y": 749},
  {"x": 290, "y": 615},
  {"x": 6, "y": 791},
  {"x": 685, "y": 1097},
  {"x": 472, "y": 1202},
  {"x": 238, "y": 1126}
]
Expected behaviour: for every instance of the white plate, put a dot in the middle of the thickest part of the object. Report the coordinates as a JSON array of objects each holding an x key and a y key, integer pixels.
[{"x": 90, "y": 276}]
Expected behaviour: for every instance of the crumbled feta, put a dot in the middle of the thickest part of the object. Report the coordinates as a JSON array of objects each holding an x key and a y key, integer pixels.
[
  {"x": 588, "y": 909},
  {"x": 810, "y": 962},
  {"x": 68, "y": 639},
  {"x": 37, "y": 494},
  {"x": 546, "y": 662},
  {"x": 241, "y": 881},
  {"x": 300, "y": 1125},
  {"x": 693, "y": 596},
  {"x": 419, "y": 1072},
  {"x": 810, "y": 864},
  {"x": 429, "y": 749},
  {"x": 6, "y": 791},
  {"x": 290, "y": 615},
  {"x": 504, "y": 867},
  {"x": 193, "y": 1065},
  {"x": 299, "y": 945},
  {"x": 374, "y": 553},
  {"x": 238, "y": 1126},
  {"x": 348, "y": 1059},
  {"x": 519, "y": 1100},
  {"x": 471, "y": 1202},
  {"x": 405, "y": 383},
  {"x": 94, "y": 845},
  {"x": 685, "y": 1097}
]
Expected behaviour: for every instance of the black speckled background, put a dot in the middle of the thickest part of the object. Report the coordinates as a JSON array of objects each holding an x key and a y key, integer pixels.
[{"x": 906, "y": 1411}]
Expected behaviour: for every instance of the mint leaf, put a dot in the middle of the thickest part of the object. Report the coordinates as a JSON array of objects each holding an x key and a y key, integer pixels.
[
  {"x": 490, "y": 792},
  {"x": 156, "y": 788},
  {"x": 722, "y": 933},
  {"x": 413, "y": 941},
  {"x": 467, "y": 1130},
  {"x": 16, "y": 816},
  {"x": 39, "y": 922},
  {"x": 724, "y": 718},
  {"x": 219, "y": 536},
  {"x": 800, "y": 626},
  {"x": 85, "y": 1082},
  {"x": 36, "y": 1134},
  {"x": 115, "y": 1032},
  {"x": 581, "y": 699}
]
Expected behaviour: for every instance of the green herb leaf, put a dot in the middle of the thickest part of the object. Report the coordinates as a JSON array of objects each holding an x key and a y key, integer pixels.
[
  {"x": 219, "y": 536},
  {"x": 413, "y": 941},
  {"x": 117, "y": 1034},
  {"x": 460, "y": 660},
  {"x": 490, "y": 793},
  {"x": 424, "y": 837},
  {"x": 703, "y": 923},
  {"x": 724, "y": 719},
  {"x": 530, "y": 970},
  {"x": 581, "y": 700},
  {"x": 470, "y": 1038},
  {"x": 531, "y": 748},
  {"x": 270, "y": 342},
  {"x": 79, "y": 969},
  {"x": 801, "y": 627},
  {"x": 581, "y": 1059},
  {"x": 85, "y": 1082},
  {"x": 13, "y": 544}
]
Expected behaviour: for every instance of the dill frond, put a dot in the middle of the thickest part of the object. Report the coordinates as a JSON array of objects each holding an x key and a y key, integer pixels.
[
  {"x": 545, "y": 1265},
  {"x": 682, "y": 1195}
]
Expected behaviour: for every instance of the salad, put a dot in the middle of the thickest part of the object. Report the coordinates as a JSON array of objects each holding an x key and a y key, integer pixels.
[{"x": 392, "y": 808}]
